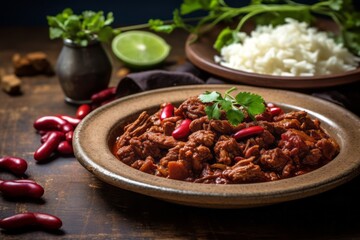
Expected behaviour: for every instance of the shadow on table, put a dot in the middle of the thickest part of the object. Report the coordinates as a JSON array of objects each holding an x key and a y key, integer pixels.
[{"x": 329, "y": 215}]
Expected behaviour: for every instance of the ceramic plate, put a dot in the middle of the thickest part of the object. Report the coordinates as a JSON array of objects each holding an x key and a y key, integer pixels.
[
  {"x": 96, "y": 134},
  {"x": 201, "y": 53}
]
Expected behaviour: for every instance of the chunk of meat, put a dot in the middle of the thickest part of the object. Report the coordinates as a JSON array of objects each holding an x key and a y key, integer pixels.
[
  {"x": 203, "y": 137},
  {"x": 287, "y": 124},
  {"x": 296, "y": 142},
  {"x": 147, "y": 165},
  {"x": 162, "y": 141},
  {"x": 313, "y": 158},
  {"x": 138, "y": 127},
  {"x": 195, "y": 155},
  {"x": 265, "y": 139},
  {"x": 169, "y": 124},
  {"x": 127, "y": 155},
  {"x": 328, "y": 147},
  {"x": 245, "y": 171},
  {"x": 299, "y": 115},
  {"x": 143, "y": 148},
  {"x": 274, "y": 159},
  {"x": 252, "y": 151},
  {"x": 191, "y": 108},
  {"x": 201, "y": 123},
  {"x": 172, "y": 154},
  {"x": 303, "y": 121},
  {"x": 178, "y": 170},
  {"x": 226, "y": 149},
  {"x": 221, "y": 126}
]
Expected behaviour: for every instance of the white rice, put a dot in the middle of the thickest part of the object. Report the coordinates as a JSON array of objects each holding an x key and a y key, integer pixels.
[{"x": 292, "y": 49}]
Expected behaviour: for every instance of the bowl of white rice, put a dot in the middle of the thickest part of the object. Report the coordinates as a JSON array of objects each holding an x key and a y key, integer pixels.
[{"x": 291, "y": 55}]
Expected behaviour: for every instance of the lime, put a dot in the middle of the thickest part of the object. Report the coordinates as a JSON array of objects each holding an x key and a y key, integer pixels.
[{"x": 140, "y": 48}]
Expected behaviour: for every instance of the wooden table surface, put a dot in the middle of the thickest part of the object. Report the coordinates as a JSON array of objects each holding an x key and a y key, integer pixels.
[{"x": 91, "y": 209}]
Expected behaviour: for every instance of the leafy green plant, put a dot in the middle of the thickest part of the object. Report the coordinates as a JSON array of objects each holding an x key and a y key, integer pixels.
[
  {"x": 342, "y": 12},
  {"x": 235, "y": 108},
  {"x": 83, "y": 28}
]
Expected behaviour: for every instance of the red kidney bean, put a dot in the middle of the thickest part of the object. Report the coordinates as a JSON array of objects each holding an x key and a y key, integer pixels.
[
  {"x": 42, "y": 132},
  {"x": 21, "y": 188},
  {"x": 73, "y": 121},
  {"x": 15, "y": 165},
  {"x": 182, "y": 130},
  {"x": 65, "y": 147},
  {"x": 83, "y": 110},
  {"x": 29, "y": 219},
  {"x": 167, "y": 111},
  {"x": 275, "y": 111},
  {"x": 48, "y": 147},
  {"x": 48, "y": 123},
  {"x": 44, "y": 137},
  {"x": 246, "y": 132},
  {"x": 103, "y": 95},
  {"x": 69, "y": 136},
  {"x": 270, "y": 105}
]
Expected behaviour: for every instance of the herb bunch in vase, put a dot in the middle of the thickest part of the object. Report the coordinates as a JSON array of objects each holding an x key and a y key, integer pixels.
[{"x": 83, "y": 66}]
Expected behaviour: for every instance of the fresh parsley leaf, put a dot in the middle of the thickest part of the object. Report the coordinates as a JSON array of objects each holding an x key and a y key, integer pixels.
[
  {"x": 256, "y": 108},
  {"x": 244, "y": 98},
  {"x": 105, "y": 33},
  {"x": 224, "y": 38},
  {"x": 216, "y": 111},
  {"x": 247, "y": 99},
  {"x": 253, "y": 103},
  {"x": 352, "y": 40},
  {"x": 158, "y": 26},
  {"x": 235, "y": 117},
  {"x": 55, "y": 32},
  {"x": 82, "y": 28},
  {"x": 336, "y": 4},
  {"x": 209, "y": 97},
  {"x": 225, "y": 105},
  {"x": 190, "y": 6},
  {"x": 234, "y": 108}
]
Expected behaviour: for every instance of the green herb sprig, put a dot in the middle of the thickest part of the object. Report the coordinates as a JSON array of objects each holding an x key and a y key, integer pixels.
[
  {"x": 83, "y": 28},
  {"x": 236, "y": 108},
  {"x": 274, "y": 12}
]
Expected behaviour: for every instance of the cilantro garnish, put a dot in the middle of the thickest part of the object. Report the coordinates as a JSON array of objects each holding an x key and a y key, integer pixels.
[{"x": 235, "y": 108}]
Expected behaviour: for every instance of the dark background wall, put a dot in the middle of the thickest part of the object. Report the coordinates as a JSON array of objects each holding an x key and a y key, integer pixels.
[
  {"x": 126, "y": 12},
  {"x": 33, "y": 13}
]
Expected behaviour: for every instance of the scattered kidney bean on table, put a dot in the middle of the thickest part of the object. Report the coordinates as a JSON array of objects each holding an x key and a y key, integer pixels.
[
  {"x": 56, "y": 138},
  {"x": 57, "y": 130},
  {"x": 15, "y": 165},
  {"x": 31, "y": 220},
  {"x": 23, "y": 189}
]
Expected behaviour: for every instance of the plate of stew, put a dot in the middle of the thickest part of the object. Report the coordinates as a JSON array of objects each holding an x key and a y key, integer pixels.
[{"x": 300, "y": 146}]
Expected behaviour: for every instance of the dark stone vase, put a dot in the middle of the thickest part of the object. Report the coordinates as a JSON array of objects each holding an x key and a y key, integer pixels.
[{"x": 82, "y": 71}]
